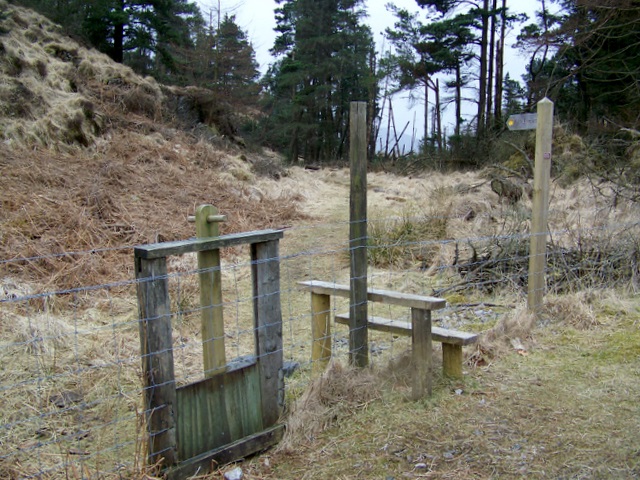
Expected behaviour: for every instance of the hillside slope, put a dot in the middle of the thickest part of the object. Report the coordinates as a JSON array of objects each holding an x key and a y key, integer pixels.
[{"x": 95, "y": 157}]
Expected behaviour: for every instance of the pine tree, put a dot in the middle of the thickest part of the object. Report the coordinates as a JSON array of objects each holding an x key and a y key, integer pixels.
[
  {"x": 584, "y": 59},
  {"x": 237, "y": 69},
  {"x": 481, "y": 18},
  {"x": 148, "y": 35},
  {"x": 423, "y": 50},
  {"x": 324, "y": 64}
]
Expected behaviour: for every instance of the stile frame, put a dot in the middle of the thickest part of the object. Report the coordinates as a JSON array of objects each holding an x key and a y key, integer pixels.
[{"x": 241, "y": 405}]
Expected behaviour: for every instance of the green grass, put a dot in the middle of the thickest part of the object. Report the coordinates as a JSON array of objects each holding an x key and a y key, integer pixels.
[{"x": 567, "y": 409}]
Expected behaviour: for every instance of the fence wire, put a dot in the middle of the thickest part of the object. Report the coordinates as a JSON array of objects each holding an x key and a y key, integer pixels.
[{"x": 71, "y": 398}]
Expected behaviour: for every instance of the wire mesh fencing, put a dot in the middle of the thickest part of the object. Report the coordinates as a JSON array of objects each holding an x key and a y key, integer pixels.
[{"x": 71, "y": 393}]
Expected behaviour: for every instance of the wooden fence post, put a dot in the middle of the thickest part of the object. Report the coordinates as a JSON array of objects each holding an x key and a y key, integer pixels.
[
  {"x": 214, "y": 356},
  {"x": 157, "y": 359},
  {"x": 540, "y": 208},
  {"x": 321, "y": 331},
  {"x": 358, "y": 335}
]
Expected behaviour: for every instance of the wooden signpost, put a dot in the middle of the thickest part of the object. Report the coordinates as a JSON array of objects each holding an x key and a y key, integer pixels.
[{"x": 542, "y": 121}]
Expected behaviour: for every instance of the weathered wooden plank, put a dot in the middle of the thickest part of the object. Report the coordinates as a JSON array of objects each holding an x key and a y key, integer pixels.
[
  {"x": 165, "y": 249},
  {"x": 243, "y": 402},
  {"x": 421, "y": 353},
  {"x": 157, "y": 359},
  {"x": 210, "y": 276},
  {"x": 229, "y": 453},
  {"x": 399, "y": 327},
  {"x": 388, "y": 297},
  {"x": 265, "y": 266},
  {"x": 219, "y": 410},
  {"x": 321, "y": 331},
  {"x": 201, "y": 419}
]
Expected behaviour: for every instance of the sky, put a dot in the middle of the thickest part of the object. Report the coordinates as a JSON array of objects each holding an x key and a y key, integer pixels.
[{"x": 256, "y": 17}]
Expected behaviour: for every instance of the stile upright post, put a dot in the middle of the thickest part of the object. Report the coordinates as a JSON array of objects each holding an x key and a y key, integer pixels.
[
  {"x": 540, "y": 209},
  {"x": 421, "y": 352},
  {"x": 265, "y": 266},
  {"x": 214, "y": 356},
  {"x": 157, "y": 359},
  {"x": 358, "y": 335}
]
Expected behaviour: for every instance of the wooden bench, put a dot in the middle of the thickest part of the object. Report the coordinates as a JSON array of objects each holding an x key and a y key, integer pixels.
[{"x": 419, "y": 328}]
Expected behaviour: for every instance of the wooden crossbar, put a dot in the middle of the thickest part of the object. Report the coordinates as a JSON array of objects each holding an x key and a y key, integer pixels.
[{"x": 387, "y": 297}]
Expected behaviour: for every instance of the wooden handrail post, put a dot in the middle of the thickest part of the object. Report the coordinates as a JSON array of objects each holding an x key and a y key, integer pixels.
[
  {"x": 214, "y": 356},
  {"x": 540, "y": 208},
  {"x": 358, "y": 335},
  {"x": 321, "y": 331}
]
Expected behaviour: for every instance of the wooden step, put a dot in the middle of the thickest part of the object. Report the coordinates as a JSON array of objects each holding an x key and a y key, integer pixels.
[{"x": 399, "y": 327}]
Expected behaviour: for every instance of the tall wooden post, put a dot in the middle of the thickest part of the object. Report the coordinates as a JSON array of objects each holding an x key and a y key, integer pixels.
[
  {"x": 157, "y": 359},
  {"x": 358, "y": 337},
  {"x": 540, "y": 209},
  {"x": 214, "y": 356}
]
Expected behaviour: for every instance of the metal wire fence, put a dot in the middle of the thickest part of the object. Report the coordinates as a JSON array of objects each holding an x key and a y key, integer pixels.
[{"x": 70, "y": 383}]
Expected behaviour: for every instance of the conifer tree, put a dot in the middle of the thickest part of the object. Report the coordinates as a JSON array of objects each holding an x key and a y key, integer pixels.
[
  {"x": 148, "y": 35},
  {"x": 324, "y": 63}
]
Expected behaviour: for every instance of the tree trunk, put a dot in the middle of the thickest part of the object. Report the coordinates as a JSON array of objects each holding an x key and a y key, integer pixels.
[
  {"x": 492, "y": 59},
  {"x": 458, "y": 97},
  {"x": 482, "y": 87},
  {"x": 426, "y": 112},
  {"x": 500, "y": 64},
  {"x": 118, "y": 34},
  {"x": 438, "y": 117}
]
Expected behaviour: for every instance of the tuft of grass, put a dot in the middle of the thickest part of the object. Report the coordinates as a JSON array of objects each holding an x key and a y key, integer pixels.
[{"x": 405, "y": 241}]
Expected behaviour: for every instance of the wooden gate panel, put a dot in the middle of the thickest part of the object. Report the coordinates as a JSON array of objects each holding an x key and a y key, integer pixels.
[{"x": 218, "y": 410}]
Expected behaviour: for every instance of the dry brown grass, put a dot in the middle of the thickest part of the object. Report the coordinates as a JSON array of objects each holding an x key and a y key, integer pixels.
[
  {"x": 131, "y": 191},
  {"x": 92, "y": 161},
  {"x": 334, "y": 395},
  {"x": 89, "y": 163}
]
